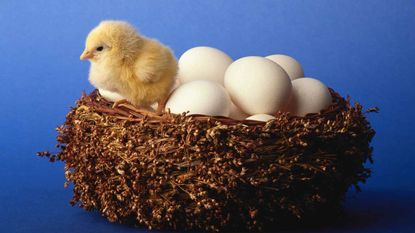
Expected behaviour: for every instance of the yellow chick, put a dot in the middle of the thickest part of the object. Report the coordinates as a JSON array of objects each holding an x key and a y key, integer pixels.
[{"x": 140, "y": 69}]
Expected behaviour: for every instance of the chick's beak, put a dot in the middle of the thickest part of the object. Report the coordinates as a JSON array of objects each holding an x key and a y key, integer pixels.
[{"x": 86, "y": 55}]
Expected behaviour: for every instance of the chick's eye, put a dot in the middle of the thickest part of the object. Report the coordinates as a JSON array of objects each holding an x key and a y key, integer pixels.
[{"x": 100, "y": 48}]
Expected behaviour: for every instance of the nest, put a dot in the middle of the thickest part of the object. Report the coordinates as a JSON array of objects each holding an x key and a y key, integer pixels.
[{"x": 211, "y": 173}]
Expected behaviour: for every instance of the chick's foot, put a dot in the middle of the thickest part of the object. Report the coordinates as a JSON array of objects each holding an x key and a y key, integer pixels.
[{"x": 119, "y": 102}]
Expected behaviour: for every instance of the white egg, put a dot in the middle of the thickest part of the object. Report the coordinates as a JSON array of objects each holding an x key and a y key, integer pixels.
[
  {"x": 110, "y": 96},
  {"x": 257, "y": 85},
  {"x": 261, "y": 117},
  {"x": 309, "y": 95},
  {"x": 203, "y": 63},
  {"x": 236, "y": 113},
  {"x": 289, "y": 64},
  {"x": 200, "y": 97}
]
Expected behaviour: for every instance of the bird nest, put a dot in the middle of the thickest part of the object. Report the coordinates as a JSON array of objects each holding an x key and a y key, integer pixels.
[{"x": 207, "y": 173}]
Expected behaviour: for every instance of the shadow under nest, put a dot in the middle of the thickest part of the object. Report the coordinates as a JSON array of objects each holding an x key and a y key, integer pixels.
[{"x": 212, "y": 173}]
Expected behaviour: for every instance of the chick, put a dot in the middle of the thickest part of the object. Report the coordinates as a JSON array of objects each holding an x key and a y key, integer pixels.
[{"x": 140, "y": 69}]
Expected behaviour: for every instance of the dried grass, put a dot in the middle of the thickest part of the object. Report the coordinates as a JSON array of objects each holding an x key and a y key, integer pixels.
[{"x": 212, "y": 173}]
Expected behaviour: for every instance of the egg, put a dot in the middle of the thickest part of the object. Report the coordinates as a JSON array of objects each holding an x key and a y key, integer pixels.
[
  {"x": 200, "y": 97},
  {"x": 236, "y": 113},
  {"x": 261, "y": 117},
  {"x": 203, "y": 63},
  {"x": 289, "y": 64},
  {"x": 257, "y": 85},
  {"x": 309, "y": 95},
  {"x": 110, "y": 96}
]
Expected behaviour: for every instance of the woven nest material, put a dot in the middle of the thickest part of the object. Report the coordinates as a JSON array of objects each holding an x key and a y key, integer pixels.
[{"x": 210, "y": 173}]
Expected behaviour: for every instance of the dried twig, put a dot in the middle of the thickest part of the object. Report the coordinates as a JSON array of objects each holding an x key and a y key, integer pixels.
[{"x": 212, "y": 173}]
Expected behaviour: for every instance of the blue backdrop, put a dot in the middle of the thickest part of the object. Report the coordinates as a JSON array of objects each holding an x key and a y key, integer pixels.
[{"x": 365, "y": 49}]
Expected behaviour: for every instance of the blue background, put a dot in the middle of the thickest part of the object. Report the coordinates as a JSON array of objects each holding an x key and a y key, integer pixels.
[{"x": 365, "y": 49}]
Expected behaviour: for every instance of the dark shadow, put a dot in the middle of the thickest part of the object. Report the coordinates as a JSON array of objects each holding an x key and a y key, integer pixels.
[
  {"x": 373, "y": 211},
  {"x": 379, "y": 210},
  {"x": 368, "y": 211}
]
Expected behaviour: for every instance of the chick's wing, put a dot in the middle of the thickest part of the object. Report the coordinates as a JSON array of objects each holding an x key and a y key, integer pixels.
[{"x": 152, "y": 62}]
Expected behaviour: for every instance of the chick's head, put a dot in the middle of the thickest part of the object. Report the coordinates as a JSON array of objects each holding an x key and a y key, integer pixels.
[{"x": 116, "y": 40}]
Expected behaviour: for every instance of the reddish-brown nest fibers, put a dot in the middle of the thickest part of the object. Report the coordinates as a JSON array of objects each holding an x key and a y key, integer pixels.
[{"x": 210, "y": 173}]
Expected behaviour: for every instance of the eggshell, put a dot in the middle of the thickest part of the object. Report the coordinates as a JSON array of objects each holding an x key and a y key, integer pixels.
[
  {"x": 261, "y": 117},
  {"x": 203, "y": 63},
  {"x": 200, "y": 97},
  {"x": 236, "y": 113},
  {"x": 110, "y": 96},
  {"x": 257, "y": 85},
  {"x": 309, "y": 95},
  {"x": 289, "y": 64}
]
